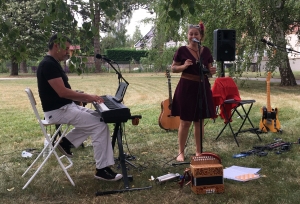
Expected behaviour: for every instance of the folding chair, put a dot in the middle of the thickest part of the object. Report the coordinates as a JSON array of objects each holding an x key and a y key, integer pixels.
[
  {"x": 43, "y": 124},
  {"x": 227, "y": 96}
]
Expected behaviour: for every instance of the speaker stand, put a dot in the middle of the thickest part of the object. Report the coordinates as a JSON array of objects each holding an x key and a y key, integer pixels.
[{"x": 222, "y": 69}]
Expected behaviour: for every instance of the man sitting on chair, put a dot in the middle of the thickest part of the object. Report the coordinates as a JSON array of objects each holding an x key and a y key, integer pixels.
[{"x": 57, "y": 101}]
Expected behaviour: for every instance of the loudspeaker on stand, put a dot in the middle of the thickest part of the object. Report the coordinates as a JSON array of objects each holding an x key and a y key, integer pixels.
[{"x": 224, "y": 44}]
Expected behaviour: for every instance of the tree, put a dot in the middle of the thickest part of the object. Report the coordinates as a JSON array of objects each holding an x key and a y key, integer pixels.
[
  {"x": 108, "y": 42},
  {"x": 97, "y": 14},
  {"x": 22, "y": 19},
  {"x": 27, "y": 27},
  {"x": 136, "y": 36},
  {"x": 252, "y": 20}
]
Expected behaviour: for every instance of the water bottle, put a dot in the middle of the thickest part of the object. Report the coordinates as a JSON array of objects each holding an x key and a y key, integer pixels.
[{"x": 47, "y": 150}]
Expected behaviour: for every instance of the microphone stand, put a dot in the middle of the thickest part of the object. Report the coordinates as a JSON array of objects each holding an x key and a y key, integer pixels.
[
  {"x": 280, "y": 47},
  {"x": 117, "y": 72},
  {"x": 201, "y": 87}
]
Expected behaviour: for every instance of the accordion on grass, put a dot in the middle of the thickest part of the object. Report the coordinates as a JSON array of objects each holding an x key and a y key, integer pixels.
[{"x": 206, "y": 174}]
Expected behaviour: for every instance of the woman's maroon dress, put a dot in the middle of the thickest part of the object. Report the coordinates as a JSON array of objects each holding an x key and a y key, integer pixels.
[{"x": 188, "y": 95}]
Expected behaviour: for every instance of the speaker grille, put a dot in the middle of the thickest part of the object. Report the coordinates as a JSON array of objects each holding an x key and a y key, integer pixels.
[{"x": 224, "y": 45}]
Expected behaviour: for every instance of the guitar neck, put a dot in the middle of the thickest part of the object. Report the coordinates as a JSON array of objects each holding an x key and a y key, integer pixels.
[
  {"x": 170, "y": 90},
  {"x": 269, "y": 109}
]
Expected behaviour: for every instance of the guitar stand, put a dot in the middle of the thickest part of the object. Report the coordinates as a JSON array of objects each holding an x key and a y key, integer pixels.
[{"x": 117, "y": 136}]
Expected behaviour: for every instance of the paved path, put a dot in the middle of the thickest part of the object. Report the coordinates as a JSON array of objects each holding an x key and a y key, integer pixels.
[
  {"x": 10, "y": 78},
  {"x": 258, "y": 79},
  {"x": 13, "y": 78},
  {"x": 271, "y": 80}
]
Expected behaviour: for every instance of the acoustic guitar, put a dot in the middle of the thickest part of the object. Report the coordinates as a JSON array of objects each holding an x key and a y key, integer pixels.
[
  {"x": 166, "y": 121},
  {"x": 269, "y": 120}
]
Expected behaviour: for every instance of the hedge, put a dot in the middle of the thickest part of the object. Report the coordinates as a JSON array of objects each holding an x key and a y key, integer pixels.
[{"x": 121, "y": 55}]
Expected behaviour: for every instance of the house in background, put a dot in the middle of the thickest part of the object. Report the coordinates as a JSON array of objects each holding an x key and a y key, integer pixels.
[
  {"x": 293, "y": 44},
  {"x": 73, "y": 48},
  {"x": 146, "y": 41}
]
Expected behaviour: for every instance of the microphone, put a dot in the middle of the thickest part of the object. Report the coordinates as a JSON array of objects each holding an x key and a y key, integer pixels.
[
  {"x": 98, "y": 56},
  {"x": 263, "y": 40},
  {"x": 195, "y": 40},
  {"x": 267, "y": 42}
]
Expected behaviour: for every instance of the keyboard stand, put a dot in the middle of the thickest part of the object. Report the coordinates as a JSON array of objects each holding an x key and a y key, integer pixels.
[{"x": 117, "y": 136}]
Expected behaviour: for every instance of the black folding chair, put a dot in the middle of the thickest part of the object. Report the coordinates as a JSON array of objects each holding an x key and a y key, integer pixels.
[{"x": 226, "y": 95}]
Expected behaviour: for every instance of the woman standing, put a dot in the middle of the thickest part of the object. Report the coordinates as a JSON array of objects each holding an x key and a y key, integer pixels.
[{"x": 189, "y": 92}]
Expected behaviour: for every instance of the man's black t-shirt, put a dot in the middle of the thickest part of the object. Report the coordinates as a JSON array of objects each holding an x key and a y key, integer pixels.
[{"x": 48, "y": 69}]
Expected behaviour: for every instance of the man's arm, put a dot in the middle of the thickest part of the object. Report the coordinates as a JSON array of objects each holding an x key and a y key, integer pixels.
[{"x": 58, "y": 85}]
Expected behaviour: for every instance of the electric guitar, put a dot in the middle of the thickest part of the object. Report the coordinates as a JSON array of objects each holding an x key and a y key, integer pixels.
[
  {"x": 269, "y": 120},
  {"x": 166, "y": 121}
]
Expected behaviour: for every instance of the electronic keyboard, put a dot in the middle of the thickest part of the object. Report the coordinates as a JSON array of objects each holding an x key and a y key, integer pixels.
[{"x": 112, "y": 111}]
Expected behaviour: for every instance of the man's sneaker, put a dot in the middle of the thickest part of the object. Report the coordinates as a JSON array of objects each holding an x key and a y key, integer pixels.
[
  {"x": 107, "y": 174},
  {"x": 64, "y": 147}
]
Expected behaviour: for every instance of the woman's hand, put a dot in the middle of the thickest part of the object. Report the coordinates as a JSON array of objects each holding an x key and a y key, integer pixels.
[
  {"x": 177, "y": 67},
  {"x": 212, "y": 70},
  {"x": 187, "y": 63}
]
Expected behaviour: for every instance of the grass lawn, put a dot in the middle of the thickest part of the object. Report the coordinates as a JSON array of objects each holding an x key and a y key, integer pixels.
[{"x": 153, "y": 149}]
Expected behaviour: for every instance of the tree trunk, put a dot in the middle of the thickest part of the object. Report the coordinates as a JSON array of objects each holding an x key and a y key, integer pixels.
[
  {"x": 23, "y": 66},
  {"x": 97, "y": 37},
  {"x": 286, "y": 74},
  {"x": 14, "y": 68},
  {"x": 281, "y": 56}
]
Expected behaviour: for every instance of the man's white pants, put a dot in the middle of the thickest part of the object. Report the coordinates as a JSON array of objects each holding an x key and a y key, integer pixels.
[{"x": 86, "y": 123}]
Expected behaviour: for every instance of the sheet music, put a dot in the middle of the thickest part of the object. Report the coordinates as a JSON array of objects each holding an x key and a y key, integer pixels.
[
  {"x": 234, "y": 172},
  {"x": 120, "y": 93}
]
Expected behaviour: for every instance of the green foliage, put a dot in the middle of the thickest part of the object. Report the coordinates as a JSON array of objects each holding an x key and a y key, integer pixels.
[
  {"x": 125, "y": 54},
  {"x": 159, "y": 59},
  {"x": 27, "y": 27},
  {"x": 120, "y": 35},
  {"x": 107, "y": 16},
  {"x": 252, "y": 20},
  {"x": 119, "y": 39},
  {"x": 3, "y": 67},
  {"x": 108, "y": 42},
  {"x": 137, "y": 35}
]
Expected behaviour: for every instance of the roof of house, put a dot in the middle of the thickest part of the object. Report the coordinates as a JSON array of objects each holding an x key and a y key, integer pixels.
[
  {"x": 144, "y": 40},
  {"x": 74, "y": 47}
]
